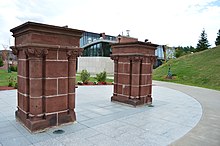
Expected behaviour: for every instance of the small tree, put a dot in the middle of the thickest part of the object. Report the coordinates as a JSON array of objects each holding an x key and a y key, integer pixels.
[
  {"x": 101, "y": 77},
  {"x": 217, "y": 42},
  {"x": 1, "y": 62},
  {"x": 84, "y": 76},
  {"x": 203, "y": 43}
]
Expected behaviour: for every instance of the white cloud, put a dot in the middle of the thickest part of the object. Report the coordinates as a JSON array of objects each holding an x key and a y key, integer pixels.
[{"x": 173, "y": 22}]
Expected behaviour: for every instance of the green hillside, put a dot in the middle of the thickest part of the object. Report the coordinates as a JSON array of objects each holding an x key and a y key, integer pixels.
[{"x": 199, "y": 69}]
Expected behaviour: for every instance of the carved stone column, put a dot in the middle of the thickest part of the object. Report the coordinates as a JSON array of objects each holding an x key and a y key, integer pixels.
[
  {"x": 133, "y": 72},
  {"x": 46, "y": 74}
]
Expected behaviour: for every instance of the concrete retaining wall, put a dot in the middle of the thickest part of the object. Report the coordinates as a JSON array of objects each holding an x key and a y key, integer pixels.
[{"x": 95, "y": 65}]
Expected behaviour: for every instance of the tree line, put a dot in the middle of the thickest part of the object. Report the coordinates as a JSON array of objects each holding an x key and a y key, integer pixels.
[{"x": 202, "y": 44}]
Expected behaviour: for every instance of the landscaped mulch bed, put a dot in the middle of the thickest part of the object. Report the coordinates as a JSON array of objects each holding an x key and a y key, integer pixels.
[
  {"x": 92, "y": 84},
  {"x": 6, "y": 88}
]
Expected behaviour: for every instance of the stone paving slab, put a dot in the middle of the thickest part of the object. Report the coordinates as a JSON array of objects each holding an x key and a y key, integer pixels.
[{"x": 102, "y": 122}]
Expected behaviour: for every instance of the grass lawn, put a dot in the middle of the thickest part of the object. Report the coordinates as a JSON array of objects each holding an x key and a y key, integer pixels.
[
  {"x": 199, "y": 69},
  {"x": 4, "y": 77}
]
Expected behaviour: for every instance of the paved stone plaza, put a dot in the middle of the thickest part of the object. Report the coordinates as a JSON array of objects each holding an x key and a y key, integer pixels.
[{"x": 102, "y": 122}]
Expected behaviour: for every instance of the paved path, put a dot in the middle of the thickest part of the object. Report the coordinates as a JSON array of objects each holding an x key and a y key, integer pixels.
[
  {"x": 207, "y": 131},
  {"x": 101, "y": 122}
]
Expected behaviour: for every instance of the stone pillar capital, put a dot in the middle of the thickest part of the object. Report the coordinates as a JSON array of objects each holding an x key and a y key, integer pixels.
[
  {"x": 73, "y": 54},
  {"x": 36, "y": 52},
  {"x": 136, "y": 58},
  {"x": 115, "y": 58},
  {"x": 152, "y": 59},
  {"x": 14, "y": 50}
]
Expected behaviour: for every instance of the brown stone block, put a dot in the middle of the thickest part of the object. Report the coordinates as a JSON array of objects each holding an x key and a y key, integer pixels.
[
  {"x": 126, "y": 90},
  {"x": 143, "y": 79},
  {"x": 62, "y": 55},
  {"x": 123, "y": 79},
  {"x": 36, "y": 87},
  {"x": 52, "y": 39},
  {"x": 20, "y": 100},
  {"x": 52, "y": 55},
  {"x": 120, "y": 98},
  {"x": 66, "y": 117},
  {"x": 62, "y": 86},
  {"x": 149, "y": 79},
  {"x": 22, "y": 68},
  {"x": 135, "y": 92},
  {"x": 56, "y": 69},
  {"x": 146, "y": 79},
  {"x": 35, "y": 68},
  {"x": 36, "y": 106},
  {"x": 145, "y": 90},
  {"x": 135, "y": 80},
  {"x": 115, "y": 87},
  {"x": 71, "y": 101},
  {"x": 41, "y": 124},
  {"x": 136, "y": 68},
  {"x": 124, "y": 60},
  {"x": 127, "y": 68},
  {"x": 22, "y": 55},
  {"x": 71, "y": 85},
  {"x": 23, "y": 102},
  {"x": 23, "y": 85},
  {"x": 22, "y": 39},
  {"x": 20, "y": 115},
  {"x": 146, "y": 69},
  {"x": 119, "y": 89},
  {"x": 120, "y": 68},
  {"x": 44, "y": 38},
  {"x": 116, "y": 67},
  {"x": 51, "y": 87},
  {"x": 55, "y": 104},
  {"x": 72, "y": 68}
]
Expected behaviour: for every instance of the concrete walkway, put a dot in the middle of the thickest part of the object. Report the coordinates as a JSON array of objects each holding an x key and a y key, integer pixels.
[
  {"x": 101, "y": 122},
  {"x": 207, "y": 131}
]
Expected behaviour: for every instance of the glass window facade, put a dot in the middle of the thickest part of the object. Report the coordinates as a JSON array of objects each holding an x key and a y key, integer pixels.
[
  {"x": 90, "y": 36},
  {"x": 99, "y": 49}
]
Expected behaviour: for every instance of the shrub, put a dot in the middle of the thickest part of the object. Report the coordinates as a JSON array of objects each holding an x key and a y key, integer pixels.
[
  {"x": 12, "y": 82},
  {"x": 1, "y": 62},
  {"x": 14, "y": 68},
  {"x": 84, "y": 76},
  {"x": 16, "y": 85},
  {"x": 101, "y": 77}
]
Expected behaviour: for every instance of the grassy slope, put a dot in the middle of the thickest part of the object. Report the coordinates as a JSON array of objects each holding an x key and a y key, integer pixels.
[{"x": 199, "y": 69}]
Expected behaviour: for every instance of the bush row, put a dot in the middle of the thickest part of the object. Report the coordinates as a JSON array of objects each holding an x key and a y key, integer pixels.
[{"x": 100, "y": 77}]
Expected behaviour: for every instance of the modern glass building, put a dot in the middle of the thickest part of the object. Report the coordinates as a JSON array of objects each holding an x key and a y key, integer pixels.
[{"x": 95, "y": 44}]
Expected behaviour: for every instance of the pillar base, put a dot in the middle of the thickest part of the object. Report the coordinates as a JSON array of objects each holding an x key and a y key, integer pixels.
[
  {"x": 47, "y": 122},
  {"x": 135, "y": 102}
]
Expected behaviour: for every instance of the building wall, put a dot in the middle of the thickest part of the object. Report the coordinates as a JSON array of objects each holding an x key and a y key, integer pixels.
[{"x": 95, "y": 65}]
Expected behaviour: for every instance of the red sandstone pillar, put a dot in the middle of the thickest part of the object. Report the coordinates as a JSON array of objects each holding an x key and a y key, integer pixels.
[
  {"x": 46, "y": 74},
  {"x": 133, "y": 72}
]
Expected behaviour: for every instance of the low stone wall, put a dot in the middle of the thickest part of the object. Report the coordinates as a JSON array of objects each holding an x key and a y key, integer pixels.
[{"x": 95, "y": 65}]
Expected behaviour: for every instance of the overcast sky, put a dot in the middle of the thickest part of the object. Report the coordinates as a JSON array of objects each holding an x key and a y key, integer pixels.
[{"x": 168, "y": 22}]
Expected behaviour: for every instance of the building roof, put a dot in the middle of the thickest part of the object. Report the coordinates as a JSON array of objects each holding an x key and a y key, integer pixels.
[{"x": 99, "y": 41}]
